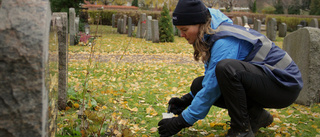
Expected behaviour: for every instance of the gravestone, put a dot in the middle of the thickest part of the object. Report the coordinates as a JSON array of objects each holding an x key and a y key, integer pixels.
[
  {"x": 119, "y": 25},
  {"x": 62, "y": 32},
  {"x": 250, "y": 21},
  {"x": 72, "y": 27},
  {"x": 138, "y": 29},
  {"x": 113, "y": 20},
  {"x": 76, "y": 24},
  {"x": 304, "y": 23},
  {"x": 238, "y": 21},
  {"x": 303, "y": 46},
  {"x": 263, "y": 21},
  {"x": 129, "y": 26},
  {"x": 149, "y": 29},
  {"x": 53, "y": 20},
  {"x": 272, "y": 29},
  {"x": 314, "y": 23},
  {"x": 179, "y": 33},
  {"x": 174, "y": 30},
  {"x": 155, "y": 31},
  {"x": 29, "y": 69},
  {"x": 282, "y": 30},
  {"x": 244, "y": 20},
  {"x": 299, "y": 26},
  {"x": 143, "y": 25},
  {"x": 257, "y": 25},
  {"x": 124, "y": 24}
]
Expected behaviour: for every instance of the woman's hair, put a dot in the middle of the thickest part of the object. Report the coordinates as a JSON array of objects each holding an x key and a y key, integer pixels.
[{"x": 201, "y": 48}]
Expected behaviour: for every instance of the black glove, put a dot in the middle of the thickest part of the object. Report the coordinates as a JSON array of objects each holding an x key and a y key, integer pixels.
[
  {"x": 171, "y": 126},
  {"x": 177, "y": 105}
]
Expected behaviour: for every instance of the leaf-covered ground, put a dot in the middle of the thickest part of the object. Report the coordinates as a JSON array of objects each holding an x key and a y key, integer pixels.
[{"x": 127, "y": 83}]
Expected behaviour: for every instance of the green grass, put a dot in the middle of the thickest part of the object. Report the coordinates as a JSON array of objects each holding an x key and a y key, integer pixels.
[{"x": 122, "y": 96}]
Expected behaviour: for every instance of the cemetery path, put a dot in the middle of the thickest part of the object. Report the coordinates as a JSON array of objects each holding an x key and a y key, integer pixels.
[{"x": 137, "y": 58}]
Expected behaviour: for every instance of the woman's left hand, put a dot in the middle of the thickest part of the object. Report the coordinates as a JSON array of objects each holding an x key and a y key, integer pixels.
[{"x": 171, "y": 126}]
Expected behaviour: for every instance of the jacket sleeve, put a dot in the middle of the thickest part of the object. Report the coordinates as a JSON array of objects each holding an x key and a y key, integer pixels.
[{"x": 226, "y": 48}]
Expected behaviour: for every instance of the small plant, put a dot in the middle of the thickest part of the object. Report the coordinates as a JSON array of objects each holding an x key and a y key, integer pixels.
[
  {"x": 254, "y": 7},
  {"x": 268, "y": 10},
  {"x": 165, "y": 26},
  {"x": 135, "y": 3}
]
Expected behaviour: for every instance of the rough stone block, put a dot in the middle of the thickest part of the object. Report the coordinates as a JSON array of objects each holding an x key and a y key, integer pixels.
[
  {"x": 124, "y": 24},
  {"x": 314, "y": 23},
  {"x": 119, "y": 26},
  {"x": 282, "y": 30},
  {"x": 303, "y": 46},
  {"x": 62, "y": 27},
  {"x": 77, "y": 24},
  {"x": 238, "y": 21},
  {"x": 113, "y": 20},
  {"x": 129, "y": 26},
  {"x": 257, "y": 25},
  {"x": 143, "y": 25},
  {"x": 244, "y": 20},
  {"x": 155, "y": 31},
  {"x": 149, "y": 29},
  {"x": 138, "y": 35},
  {"x": 272, "y": 29},
  {"x": 28, "y": 69},
  {"x": 72, "y": 25}
]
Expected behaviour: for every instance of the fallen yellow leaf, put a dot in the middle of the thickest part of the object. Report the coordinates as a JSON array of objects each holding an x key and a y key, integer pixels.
[
  {"x": 210, "y": 135},
  {"x": 67, "y": 108},
  {"x": 133, "y": 109},
  {"x": 314, "y": 126},
  {"x": 76, "y": 105},
  {"x": 153, "y": 130},
  {"x": 278, "y": 135}
]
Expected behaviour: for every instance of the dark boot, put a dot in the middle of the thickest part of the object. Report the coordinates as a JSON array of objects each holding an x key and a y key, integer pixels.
[
  {"x": 245, "y": 131},
  {"x": 259, "y": 117}
]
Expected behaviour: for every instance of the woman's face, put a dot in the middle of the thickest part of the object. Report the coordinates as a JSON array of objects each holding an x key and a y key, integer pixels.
[{"x": 189, "y": 32}]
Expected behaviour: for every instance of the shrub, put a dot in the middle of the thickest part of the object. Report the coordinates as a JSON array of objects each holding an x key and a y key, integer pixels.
[
  {"x": 314, "y": 7},
  {"x": 254, "y": 7},
  {"x": 165, "y": 26},
  {"x": 135, "y": 3},
  {"x": 268, "y": 10}
]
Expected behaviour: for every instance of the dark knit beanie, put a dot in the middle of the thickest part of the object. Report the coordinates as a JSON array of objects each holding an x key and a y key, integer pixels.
[{"x": 189, "y": 12}]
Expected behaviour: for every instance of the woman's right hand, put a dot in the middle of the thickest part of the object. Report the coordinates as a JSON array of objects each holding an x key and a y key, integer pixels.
[{"x": 177, "y": 105}]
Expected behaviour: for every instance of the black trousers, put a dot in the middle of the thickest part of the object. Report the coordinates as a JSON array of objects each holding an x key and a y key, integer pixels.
[{"x": 244, "y": 86}]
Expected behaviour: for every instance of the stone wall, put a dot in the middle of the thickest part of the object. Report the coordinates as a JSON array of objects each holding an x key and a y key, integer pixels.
[{"x": 28, "y": 69}]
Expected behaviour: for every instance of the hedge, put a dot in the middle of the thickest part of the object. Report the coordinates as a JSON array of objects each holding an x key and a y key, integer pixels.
[
  {"x": 292, "y": 21},
  {"x": 106, "y": 15}
]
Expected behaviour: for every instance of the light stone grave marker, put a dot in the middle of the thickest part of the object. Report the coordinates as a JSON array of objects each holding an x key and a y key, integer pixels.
[
  {"x": 272, "y": 29},
  {"x": 72, "y": 27},
  {"x": 149, "y": 29},
  {"x": 282, "y": 30},
  {"x": 303, "y": 46},
  {"x": 155, "y": 31},
  {"x": 29, "y": 67}
]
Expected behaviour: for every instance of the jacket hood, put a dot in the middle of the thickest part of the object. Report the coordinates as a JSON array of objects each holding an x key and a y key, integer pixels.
[{"x": 217, "y": 17}]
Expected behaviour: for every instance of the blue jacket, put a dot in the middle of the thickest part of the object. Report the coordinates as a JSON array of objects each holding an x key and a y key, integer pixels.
[{"x": 235, "y": 42}]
